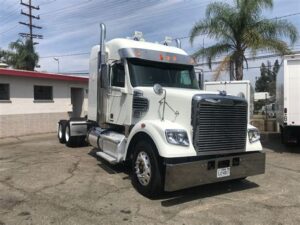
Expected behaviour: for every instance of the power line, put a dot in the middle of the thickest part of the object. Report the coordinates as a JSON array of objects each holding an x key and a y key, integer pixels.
[
  {"x": 67, "y": 7},
  {"x": 117, "y": 9},
  {"x": 251, "y": 58},
  {"x": 65, "y": 55},
  {"x": 185, "y": 37},
  {"x": 47, "y": 2},
  {"x": 9, "y": 29}
]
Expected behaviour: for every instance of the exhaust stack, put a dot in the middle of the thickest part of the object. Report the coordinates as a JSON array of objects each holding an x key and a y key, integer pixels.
[
  {"x": 101, "y": 106},
  {"x": 178, "y": 43},
  {"x": 102, "y": 43}
]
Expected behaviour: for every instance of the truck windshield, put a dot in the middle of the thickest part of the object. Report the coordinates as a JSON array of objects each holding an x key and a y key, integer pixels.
[{"x": 147, "y": 73}]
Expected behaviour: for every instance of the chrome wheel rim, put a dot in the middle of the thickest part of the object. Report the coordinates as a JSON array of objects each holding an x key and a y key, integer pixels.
[
  {"x": 60, "y": 131},
  {"x": 143, "y": 168},
  {"x": 67, "y": 134}
]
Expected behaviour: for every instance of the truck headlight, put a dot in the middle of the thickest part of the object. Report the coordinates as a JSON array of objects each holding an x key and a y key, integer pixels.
[
  {"x": 177, "y": 137},
  {"x": 253, "y": 135}
]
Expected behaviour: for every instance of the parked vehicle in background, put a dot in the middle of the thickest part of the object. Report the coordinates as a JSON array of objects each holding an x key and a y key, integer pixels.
[
  {"x": 287, "y": 99},
  {"x": 145, "y": 107},
  {"x": 242, "y": 88},
  {"x": 261, "y": 96}
]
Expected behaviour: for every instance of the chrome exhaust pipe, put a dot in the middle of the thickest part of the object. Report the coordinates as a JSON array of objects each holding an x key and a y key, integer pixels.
[
  {"x": 178, "y": 43},
  {"x": 102, "y": 43},
  {"x": 101, "y": 62}
]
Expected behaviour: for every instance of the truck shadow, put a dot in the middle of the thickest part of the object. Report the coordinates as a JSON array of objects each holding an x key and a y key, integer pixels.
[
  {"x": 210, "y": 190},
  {"x": 109, "y": 168},
  {"x": 276, "y": 146},
  {"x": 169, "y": 199}
]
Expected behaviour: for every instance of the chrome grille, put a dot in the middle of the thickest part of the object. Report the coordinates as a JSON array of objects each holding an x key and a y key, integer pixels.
[{"x": 219, "y": 123}]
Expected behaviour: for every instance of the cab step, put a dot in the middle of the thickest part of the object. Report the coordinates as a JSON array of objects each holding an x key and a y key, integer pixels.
[{"x": 107, "y": 157}]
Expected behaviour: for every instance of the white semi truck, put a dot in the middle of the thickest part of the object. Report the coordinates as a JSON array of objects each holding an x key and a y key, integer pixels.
[
  {"x": 145, "y": 107},
  {"x": 287, "y": 99}
]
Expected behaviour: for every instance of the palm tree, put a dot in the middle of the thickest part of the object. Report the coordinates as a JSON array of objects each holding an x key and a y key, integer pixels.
[
  {"x": 23, "y": 55},
  {"x": 3, "y": 55},
  {"x": 240, "y": 27}
]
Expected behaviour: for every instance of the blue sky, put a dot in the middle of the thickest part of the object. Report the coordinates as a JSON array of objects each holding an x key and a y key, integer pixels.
[{"x": 73, "y": 26}]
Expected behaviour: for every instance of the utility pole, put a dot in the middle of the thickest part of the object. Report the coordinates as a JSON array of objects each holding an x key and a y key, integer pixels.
[{"x": 30, "y": 35}]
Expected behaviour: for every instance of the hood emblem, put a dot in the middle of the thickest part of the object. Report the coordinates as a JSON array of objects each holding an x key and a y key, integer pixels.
[{"x": 211, "y": 100}]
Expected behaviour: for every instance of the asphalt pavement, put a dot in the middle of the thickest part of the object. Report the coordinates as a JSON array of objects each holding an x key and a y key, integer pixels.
[{"x": 44, "y": 182}]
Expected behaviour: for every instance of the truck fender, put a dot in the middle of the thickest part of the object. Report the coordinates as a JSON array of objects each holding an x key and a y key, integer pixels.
[
  {"x": 142, "y": 130},
  {"x": 155, "y": 131}
]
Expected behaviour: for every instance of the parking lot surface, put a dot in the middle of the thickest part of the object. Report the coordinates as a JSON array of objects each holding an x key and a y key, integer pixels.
[{"x": 44, "y": 182}]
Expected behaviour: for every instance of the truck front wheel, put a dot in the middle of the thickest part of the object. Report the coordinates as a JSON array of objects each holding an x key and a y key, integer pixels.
[{"x": 146, "y": 170}]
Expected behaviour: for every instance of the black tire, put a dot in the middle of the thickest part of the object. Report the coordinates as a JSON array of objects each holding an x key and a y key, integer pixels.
[
  {"x": 154, "y": 186},
  {"x": 285, "y": 137},
  {"x": 70, "y": 141},
  {"x": 282, "y": 137},
  {"x": 61, "y": 131}
]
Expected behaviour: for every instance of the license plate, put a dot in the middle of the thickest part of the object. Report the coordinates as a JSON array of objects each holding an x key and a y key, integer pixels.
[{"x": 223, "y": 172}]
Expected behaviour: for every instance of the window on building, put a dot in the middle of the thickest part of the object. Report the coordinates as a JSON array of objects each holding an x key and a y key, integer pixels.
[
  {"x": 43, "y": 92},
  {"x": 118, "y": 75},
  {"x": 4, "y": 92}
]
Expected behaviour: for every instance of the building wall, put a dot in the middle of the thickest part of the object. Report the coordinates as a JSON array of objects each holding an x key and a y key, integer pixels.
[{"x": 22, "y": 115}]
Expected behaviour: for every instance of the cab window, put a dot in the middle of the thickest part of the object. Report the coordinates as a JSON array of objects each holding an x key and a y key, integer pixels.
[{"x": 118, "y": 75}]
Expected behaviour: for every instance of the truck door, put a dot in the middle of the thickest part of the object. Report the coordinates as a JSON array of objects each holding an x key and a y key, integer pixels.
[{"x": 119, "y": 100}]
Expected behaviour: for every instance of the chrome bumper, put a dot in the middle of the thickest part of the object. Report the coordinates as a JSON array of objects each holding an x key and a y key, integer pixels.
[{"x": 204, "y": 171}]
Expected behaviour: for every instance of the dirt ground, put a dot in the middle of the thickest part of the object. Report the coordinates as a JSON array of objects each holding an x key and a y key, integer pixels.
[{"x": 44, "y": 182}]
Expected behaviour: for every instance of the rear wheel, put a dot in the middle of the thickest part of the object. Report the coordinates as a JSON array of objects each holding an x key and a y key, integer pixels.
[
  {"x": 61, "y": 131},
  {"x": 70, "y": 141},
  {"x": 146, "y": 169}
]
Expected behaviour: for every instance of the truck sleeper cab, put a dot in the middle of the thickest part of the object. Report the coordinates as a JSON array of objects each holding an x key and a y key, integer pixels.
[{"x": 145, "y": 107}]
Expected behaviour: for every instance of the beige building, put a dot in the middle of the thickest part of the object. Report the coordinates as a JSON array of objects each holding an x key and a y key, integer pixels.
[{"x": 33, "y": 102}]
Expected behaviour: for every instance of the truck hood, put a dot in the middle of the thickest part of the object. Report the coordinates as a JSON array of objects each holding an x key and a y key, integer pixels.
[{"x": 178, "y": 107}]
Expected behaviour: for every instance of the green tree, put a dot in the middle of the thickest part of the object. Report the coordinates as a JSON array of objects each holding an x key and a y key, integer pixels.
[
  {"x": 240, "y": 27},
  {"x": 267, "y": 80},
  {"x": 23, "y": 55},
  {"x": 3, "y": 56}
]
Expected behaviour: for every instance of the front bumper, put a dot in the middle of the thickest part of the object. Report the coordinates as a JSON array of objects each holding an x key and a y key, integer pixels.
[{"x": 180, "y": 175}]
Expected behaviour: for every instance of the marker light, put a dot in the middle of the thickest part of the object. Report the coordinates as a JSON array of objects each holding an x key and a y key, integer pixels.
[
  {"x": 137, "y": 53},
  {"x": 161, "y": 57}
]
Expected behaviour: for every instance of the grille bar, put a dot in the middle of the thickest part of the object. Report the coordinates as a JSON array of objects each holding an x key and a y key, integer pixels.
[{"x": 219, "y": 123}]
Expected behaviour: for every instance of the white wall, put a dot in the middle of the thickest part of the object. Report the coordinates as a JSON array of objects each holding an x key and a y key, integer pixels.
[{"x": 22, "y": 100}]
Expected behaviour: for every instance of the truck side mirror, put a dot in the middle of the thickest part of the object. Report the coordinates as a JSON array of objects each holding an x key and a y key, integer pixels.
[{"x": 158, "y": 89}]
